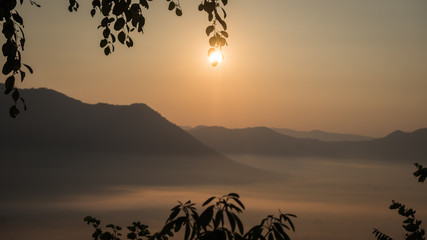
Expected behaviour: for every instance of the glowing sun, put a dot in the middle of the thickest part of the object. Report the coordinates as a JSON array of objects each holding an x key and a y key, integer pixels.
[{"x": 215, "y": 58}]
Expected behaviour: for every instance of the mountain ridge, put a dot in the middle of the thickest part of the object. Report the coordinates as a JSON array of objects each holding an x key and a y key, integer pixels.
[{"x": 264, "y": 141}]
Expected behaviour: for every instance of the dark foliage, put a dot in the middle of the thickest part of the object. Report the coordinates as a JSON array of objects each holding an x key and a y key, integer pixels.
[
  {"x": 218, "y": 221},
  {"x": 421, "y": 173},
  {"x": 410, "y": 224},
  {"x": 120, "y": 18}
]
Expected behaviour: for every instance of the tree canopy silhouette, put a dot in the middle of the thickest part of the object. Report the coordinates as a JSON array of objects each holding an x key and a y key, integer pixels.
[
  {"x": 211, "y": 224},
  {"x": 120, "y": 19}
]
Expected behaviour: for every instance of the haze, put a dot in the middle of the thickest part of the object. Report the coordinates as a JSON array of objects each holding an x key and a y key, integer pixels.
[{"x": 340, "y": 66}]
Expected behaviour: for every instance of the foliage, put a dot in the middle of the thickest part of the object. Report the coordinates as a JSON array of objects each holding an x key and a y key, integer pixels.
[
  {"x": 410, "y": 224},
  {"x": 120, "y": 18},
  {"x": 218, "y": 221},
  {"x": 421, "y": 173}
]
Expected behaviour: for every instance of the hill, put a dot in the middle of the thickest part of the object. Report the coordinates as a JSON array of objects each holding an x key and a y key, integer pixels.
[
  {"x": 264, "y": 141},
  {"x": 64, "y": 145},
  {"x": 321, "y": 135}
]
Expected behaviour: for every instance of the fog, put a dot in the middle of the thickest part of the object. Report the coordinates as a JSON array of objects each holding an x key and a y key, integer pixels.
[{"x": 333, "y": 199}]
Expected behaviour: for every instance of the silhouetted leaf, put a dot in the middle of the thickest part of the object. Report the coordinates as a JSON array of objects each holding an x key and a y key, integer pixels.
[
  {"x": 211, "y": 198},
  {"x": 103, "y": 43},
  {"x": 106, "y": 32},
  {"x": 171, "y": 6},
  {"x": 119, "y": 24},
  {"x": 239, "y": 223},
  {"x": 15, "y": 95},
  {"x": 224, "y": 2},
  {"x": 224, "y": 33},
  {"x": 178, "y": 12},
  {"x": 231, "y": 220},
  {"x": 107, "y": 51},
  {"x": 9, "y": 84},
  {"x": 209, "y": 30},
  {"x": 8, "y": 67},
  {"x": 13, "y": 111},
  {"x": 121, "y": 37},
  {"x": 17, "y": 18},
  {"x": 187, "y": 232},
  {"x": 212, "y": 41},
  {"x": 22, "y": 75},
  {"x": 206, "y": 216},
  {"x": 29, "y": 68}
]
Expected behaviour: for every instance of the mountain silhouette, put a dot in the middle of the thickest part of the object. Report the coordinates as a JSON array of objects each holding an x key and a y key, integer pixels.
[
  {"x": 321, "y": 135},
  {"x": 61, "y": 145},
  {"x": 264, "y": 141}
]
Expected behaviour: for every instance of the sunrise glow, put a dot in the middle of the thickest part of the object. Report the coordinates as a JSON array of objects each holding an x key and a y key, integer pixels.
[{"x": 215, "y": 58}]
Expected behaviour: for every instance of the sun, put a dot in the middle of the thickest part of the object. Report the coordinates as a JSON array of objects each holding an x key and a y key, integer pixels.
[{"x": 215, "y": 57}]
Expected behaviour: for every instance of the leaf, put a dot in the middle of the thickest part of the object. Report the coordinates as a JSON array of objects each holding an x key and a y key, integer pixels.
[
  {"x": 171, "y": 6},
  {"x": 15, "y": 95},
  {"x": 210, "y": 51},
  {"x": 219, "y": 218},
  {"x": 13, "y": 111},
  {"x": 178, "y": 12},
  {"x": 129, "y": 43},
  {"x": 210, "y": 29},
  {"x": 239, "y": 202},
  {"x": 107, "y": 51},
  {"x": 222, "y": 22},
  {"x": 224, "y": 2},
  {"x": 187, "y": 231},
  {"x": 224, "y": 33},
  {"x": 206, "y": 216},
  {"x": 119, "y": 24},
  {"x": 201, "y": 7},
  {"x": 211, "y": 198},
  {"x": 29, "y": 68},
  {"x": 231, "y": 220},
  {"x": 174, "y": 213},
  {"x": 144, "y": 3},
  {"x": 106, "y": 32},
  {"x": 18, "y": 18},
  {"x": 121, "y": 37},
  {"x": 239, "y": 223},
  {"x": 8, "y": 67},
  {"x": 22, "y": 75},
  {"x": 92, "y": 12},
  {"x": 9, "y": 84},
  {"x": 103, "y": 43},
  {"x": 222, "y": 42},
  {"x": 212, "y": 41}
]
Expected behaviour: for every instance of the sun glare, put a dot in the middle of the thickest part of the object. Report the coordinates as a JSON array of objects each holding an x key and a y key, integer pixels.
[{"x": 215, "y": 58}]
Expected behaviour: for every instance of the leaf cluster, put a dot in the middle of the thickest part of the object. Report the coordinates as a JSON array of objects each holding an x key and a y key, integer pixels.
[
  {"x": 217, "y": 30},
  {"x": 13, "y": 32},
  {"x": 421, "y": 173},
  {"x": 410, "y": 223},
  {"x": 218, "y": 221}
]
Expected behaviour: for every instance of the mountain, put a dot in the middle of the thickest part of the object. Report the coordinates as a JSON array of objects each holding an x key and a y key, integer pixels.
[
  {"x": 321, "y": 135},
  {"x": 265, "y": 141},
  {"x": 64, "y": 145}
]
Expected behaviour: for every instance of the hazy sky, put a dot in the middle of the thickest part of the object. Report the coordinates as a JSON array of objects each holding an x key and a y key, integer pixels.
[{"x": 355, "y": 66}]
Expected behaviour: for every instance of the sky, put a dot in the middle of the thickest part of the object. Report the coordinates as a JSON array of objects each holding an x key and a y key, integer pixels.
[{"x": 336, "y": 65}]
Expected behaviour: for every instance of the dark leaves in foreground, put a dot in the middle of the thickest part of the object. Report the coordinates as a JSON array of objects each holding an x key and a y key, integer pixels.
[
  {"x": 410, "y": 224},
  {"x": 218, "y": 221}
]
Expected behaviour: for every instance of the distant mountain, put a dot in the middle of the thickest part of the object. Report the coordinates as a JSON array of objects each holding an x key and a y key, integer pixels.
[
  {"x": 264, "y": 141},
  {"x": 61, "y": 144},
  {"x": 321, "y": 135}
]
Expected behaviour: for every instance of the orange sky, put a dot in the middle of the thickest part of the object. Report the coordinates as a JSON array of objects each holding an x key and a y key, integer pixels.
[{"x": 336, "y": 65}]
